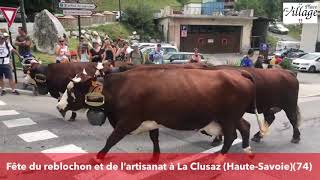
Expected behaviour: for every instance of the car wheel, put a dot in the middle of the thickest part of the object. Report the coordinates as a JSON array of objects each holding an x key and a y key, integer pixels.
[{"x": 312, "y": 69}]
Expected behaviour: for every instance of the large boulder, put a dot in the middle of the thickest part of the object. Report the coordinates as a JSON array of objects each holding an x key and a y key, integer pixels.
[{"x": 47, "y": 29}]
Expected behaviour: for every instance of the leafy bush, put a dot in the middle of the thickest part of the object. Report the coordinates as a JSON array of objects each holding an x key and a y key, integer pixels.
[
  {"x": 140, "y": 17},
  {"x": 286, "y": 64}
]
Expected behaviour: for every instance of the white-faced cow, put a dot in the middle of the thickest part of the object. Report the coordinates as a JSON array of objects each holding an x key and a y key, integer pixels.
[
  {"x": 54, "y": 78},
  {"x": 136, "y": 101}
]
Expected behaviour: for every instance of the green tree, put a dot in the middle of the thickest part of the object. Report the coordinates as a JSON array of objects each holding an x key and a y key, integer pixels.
[
  {"x": 265, "y": 8},
  {"x": 140, "y": 17},
  {"x": 183, "y": 2},
  {"x": 256, "y": 5}
]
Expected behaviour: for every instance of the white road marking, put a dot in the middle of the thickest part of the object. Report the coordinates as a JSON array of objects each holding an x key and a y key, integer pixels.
[
  {"x": 37, "y": 136},
  {"x": 19, "y": 122},
  {"x": 8, "y": 112},
  {"x": 71, "y": 151},
  {"x": 2, "y": 103},
  {"x": 143, "y": 175}
]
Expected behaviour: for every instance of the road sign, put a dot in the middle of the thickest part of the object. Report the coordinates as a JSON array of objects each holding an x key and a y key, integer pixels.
[
  {"x": 72, "y": 12},
  {"x": 76, "y": 6},
  {"x": 9, "y": 13},
  {"x": 184, "y": 33}
]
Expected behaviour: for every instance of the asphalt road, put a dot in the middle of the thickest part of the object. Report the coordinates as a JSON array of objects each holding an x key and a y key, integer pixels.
[{"x": 45, "y": 122}]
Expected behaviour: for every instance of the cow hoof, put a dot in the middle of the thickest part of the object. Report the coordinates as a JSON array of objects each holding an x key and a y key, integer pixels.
[
  {"x": 72, "y": 119},
  {"x": 295, "y": 140},
  {"x": 256, "y": 139},
  {"x": 35, "y": 93}
]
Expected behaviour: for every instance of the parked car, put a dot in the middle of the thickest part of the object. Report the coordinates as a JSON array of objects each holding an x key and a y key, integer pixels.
[
  {"x": 179, "y": 58},
  {"x": 143, "y": 45},
  {"x": 117, "y": 13},
  {"x": 165, "y": 48},
  {"x": 278, "y": 28},
  {"x": 289, "y": 53},
  {"x": 287, "y": 45},
  {"x": 309, "y": 62}
]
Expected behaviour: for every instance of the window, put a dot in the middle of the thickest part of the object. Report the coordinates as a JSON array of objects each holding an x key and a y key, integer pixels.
[
  {"x": 187, "y": 56},
  {"x": 168, "y": 50},
  {"x": 176, "y": 57}
]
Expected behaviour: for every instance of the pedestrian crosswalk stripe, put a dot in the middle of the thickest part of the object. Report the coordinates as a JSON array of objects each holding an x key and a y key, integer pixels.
[
  {"x": 19, "y": 122},
  {"x": 145, "y": 175},
  {"x": 37, "y": 136},
  {"x": 8, "y": 112},
  {"x": 71, "y": 151},
  {"x": 2, "y": 103}
]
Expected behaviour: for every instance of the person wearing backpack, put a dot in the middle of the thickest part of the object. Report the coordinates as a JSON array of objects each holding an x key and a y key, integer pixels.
[
  {"x": 136, "y": 56},
  {"x": 5, "y": 68}
]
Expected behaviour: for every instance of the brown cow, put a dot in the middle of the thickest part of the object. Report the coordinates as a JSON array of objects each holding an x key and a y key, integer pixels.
[
  {"x": 54, "y": 78},
  {"x": 182, "y": 99},
  {"x": 277, "y": 90}
]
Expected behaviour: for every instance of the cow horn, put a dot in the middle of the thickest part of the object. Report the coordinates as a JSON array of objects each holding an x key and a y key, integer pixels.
[{"x": 84, "y": 71}]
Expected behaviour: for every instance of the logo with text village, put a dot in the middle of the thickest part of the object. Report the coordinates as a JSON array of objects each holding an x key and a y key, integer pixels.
[{"x": 300, "y": 13}]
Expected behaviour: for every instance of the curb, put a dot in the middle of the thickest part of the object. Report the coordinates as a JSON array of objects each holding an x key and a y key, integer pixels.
[
  {"x": 27, "y": 92},
  {"x": 22, "y": 91}
]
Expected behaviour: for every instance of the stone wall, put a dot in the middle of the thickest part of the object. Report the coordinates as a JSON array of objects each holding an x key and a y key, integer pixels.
[{"x": 71, "y": 22}]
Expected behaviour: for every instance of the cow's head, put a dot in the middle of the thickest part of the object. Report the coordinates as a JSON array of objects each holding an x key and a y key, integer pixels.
[
  {"x": 78, "y": 93},
  {"x": 36, "y": 75}
]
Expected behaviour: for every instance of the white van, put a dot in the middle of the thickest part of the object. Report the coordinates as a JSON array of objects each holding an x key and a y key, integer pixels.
[{"x": 287, "y": 45}]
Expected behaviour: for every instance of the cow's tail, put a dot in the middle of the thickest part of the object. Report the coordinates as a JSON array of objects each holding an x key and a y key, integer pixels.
[{"x": 263, "y": 126}]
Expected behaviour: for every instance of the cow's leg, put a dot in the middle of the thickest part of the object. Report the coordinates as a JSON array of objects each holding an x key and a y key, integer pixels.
[
  {"x": 154, "y": 136},
  {"x": 230, "y": 134},
  {"x": 244, "y": 128},
  {"x": 217, "y": 140},
  {"x": 112, "y": 140},
  {"x": 73, "y": 116},
  {"x": 269, "y": 118},
  {"x": 293, "y": 115}
]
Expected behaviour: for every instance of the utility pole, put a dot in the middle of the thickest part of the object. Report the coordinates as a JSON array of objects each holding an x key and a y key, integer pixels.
[
  {"x": 23, "y": 12},
  {"x": 120, "y": 14}
]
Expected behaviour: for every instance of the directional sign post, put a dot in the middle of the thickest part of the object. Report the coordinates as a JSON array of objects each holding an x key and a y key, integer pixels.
[
  {"x": 77, "y": 6},
  {"x": 77, "y": 9},
  {"x": 71, "y": 12},
  {"x": 9, "y": 14}
]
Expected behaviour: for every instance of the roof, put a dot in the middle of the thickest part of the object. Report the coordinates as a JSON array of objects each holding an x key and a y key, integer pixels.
[{"x": 206, "y": 17}]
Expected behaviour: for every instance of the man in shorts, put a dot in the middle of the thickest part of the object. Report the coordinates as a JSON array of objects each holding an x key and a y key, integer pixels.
[
  {"x": 5, "y": 68},
  {"x": 23, "y": 41}
]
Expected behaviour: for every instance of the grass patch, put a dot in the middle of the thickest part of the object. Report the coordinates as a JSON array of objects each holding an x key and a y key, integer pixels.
[
  {"x": 114, "y": 30},
  {"x": 113, "y": 5},
  {"x": 295, "y": 31}
]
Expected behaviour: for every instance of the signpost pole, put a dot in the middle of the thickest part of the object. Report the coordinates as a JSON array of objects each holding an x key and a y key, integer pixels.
[
  {"x": 79, "y": 24},
  {"x": 13, "y": 59},
  {"x": 22, "y": 12}
]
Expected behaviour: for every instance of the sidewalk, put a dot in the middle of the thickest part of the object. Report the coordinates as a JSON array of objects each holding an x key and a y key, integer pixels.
[{"x": 307, "y": 90}]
